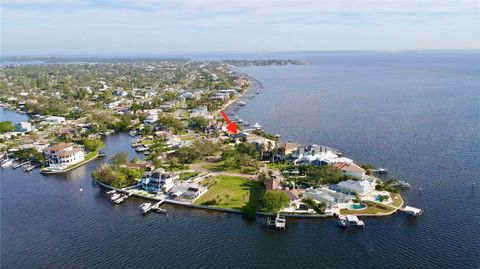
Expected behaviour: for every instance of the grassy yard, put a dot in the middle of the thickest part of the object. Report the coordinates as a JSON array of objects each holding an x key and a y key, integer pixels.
[
  {"x": 187, "y": 175},
  {"x": 220, "y": 167},
  {"x": 147, "y": 142},
  {"x": 373, "y": 208},
  {"x": 230, "y": 192},
  {"x": 397, "y": 200}
]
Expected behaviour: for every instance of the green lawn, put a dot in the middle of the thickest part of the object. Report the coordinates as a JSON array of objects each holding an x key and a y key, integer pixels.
[
  {"x": 397, "y": 199},
  {"x": 220, "y": 167},
  {"x": 147, "y": 142},
  {"x": 373, "y": 208},
  {"x": 230, "y": 192},
  {"x": 187, "y": 175}
]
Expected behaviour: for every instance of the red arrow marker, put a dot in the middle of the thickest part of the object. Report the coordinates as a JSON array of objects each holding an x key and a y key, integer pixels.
[{"x": 232, "y": 126}]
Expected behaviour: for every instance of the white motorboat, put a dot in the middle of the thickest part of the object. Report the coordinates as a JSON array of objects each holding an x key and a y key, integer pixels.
[
  {"x": 7, "y": 163},
  {"x": 257, "y": 126},
  {"x": 119, "y": 200},
  {"x": 412, "y": 211},
  {"x": 350, "y": 221},
  {"x": 115, "y": 196},
  {"x": 145, "y": 207},
  {"x": 241, "y": 103},
  {"x": 133, "y": 133}
]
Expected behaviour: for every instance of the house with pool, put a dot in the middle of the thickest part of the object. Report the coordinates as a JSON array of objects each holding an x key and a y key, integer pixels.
[{"x": 159, "y": 181}]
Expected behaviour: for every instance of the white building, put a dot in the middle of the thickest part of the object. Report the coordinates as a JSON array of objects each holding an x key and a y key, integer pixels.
[
  {"x": 159, "y": 181},
  {"x": 327, "y": 196},
  {"x": 360, "y": 187},
  {"x": 54, "y": 120},
  {"x": 201, "y": 112},
  {"x": 151, "y": 119},
  {"x": 62, "y": 155},
  {"x": 24, "y": 127}
]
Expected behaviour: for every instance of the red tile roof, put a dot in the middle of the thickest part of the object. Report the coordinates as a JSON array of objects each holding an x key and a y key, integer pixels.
[
  {"x": 59, "y": 146},
  {"x": 348, "y": 167},
  {"x": 273, "y": 184}
]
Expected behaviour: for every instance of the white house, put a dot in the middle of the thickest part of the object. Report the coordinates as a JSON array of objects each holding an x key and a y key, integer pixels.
[
  {"x": 350, "y": 169},
  {"x": 327, "y": 196},
  {"x": 360, "y": 187},
  {"x": 113, "y": 104},
  {"x": 62, "y": 155},
  {"x": 151, "y": 119},
  {"x": 201, "y": 112},
  {"x": 159, "y": 181},
  {"x": 54, "y": 120},
  {"x": 24, "y": 127}
]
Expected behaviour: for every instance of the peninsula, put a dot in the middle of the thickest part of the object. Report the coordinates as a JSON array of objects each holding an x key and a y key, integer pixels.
[{"x": 187, "y": 157}]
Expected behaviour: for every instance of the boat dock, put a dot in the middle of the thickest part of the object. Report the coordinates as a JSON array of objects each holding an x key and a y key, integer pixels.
[
  {"x": 148, "y": 207},
  {"x": 279, "y": 222},
  {"x": 412, "y": 211},
  {"x": 346, "y": 221},
  {"x": 380, "y": 171}
]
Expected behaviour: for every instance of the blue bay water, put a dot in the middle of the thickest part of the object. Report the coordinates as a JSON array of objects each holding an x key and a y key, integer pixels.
[{"x": 416, "y": 113}]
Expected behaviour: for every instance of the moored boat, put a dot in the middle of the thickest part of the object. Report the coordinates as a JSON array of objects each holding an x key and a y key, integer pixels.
[
  {"x": 7, "y": 162},
  {"x": 115, "y": 196},
  {"x": 350, "y": 221},
  {"x": 145, "y": 207}
]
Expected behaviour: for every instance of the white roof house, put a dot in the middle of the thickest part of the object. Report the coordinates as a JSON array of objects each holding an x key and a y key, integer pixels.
[
  {"x": 357, "y": 187},
  {"x": 327, "y": 157},
  {"x": 53, "y": 120}
]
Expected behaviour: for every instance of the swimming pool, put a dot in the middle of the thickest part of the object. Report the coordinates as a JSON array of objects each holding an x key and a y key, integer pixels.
[{"x": 357, "y": 206}]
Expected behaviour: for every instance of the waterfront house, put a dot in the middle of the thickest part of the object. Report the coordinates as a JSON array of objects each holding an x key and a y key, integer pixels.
[
  {"x": 286, "y": 149},
  {"x": 159, "y": 181},
  {"x": 328, "y": 196},
  {"x": 356, "y": 187},
  {"x": 24, "y": 127},
  {"x": 350, "y": 169},
  {"x": 63, "y": 155},
  {"x": 322, "y": 158}
]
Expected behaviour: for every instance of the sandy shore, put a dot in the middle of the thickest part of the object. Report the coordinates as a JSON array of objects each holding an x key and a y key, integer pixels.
[{"x": 255, "y": 85}]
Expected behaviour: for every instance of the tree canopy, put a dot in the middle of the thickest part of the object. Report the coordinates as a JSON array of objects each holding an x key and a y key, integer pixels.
[{"x": 274, "y": 201}]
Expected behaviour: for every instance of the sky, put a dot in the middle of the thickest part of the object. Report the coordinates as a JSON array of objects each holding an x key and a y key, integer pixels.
[{"x": 109, "y": 27}]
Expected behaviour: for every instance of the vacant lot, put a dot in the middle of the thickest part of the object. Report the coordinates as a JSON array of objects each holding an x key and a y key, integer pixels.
[{"x": 230, "y": 192}]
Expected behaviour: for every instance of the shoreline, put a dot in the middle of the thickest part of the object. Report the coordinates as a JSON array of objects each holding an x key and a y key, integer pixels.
[
  {"x": 238, "y": 211},
  {"x": 254, "y": 83},
  {"x": 70, "y": 168}
]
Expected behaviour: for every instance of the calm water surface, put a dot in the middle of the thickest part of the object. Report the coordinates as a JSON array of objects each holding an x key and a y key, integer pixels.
[{"x": 414, "y": 113}]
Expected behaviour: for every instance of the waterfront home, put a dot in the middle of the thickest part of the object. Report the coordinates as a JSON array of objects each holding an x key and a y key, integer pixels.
[
  {"x": 159, "y": 181},
  {"x": 142, "y": 165},
  {"x": 357, "y": 187},
  {"x": 287, "y": 149},
  {"x": 24, "y": 127},
  {"x": 322, "y": 158},
  {"x": 328, "y": 196},
  {"x": 260, "y": 141},
  {"x": 63, "y": 155},
  {"x": 350, "y": 169}
]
